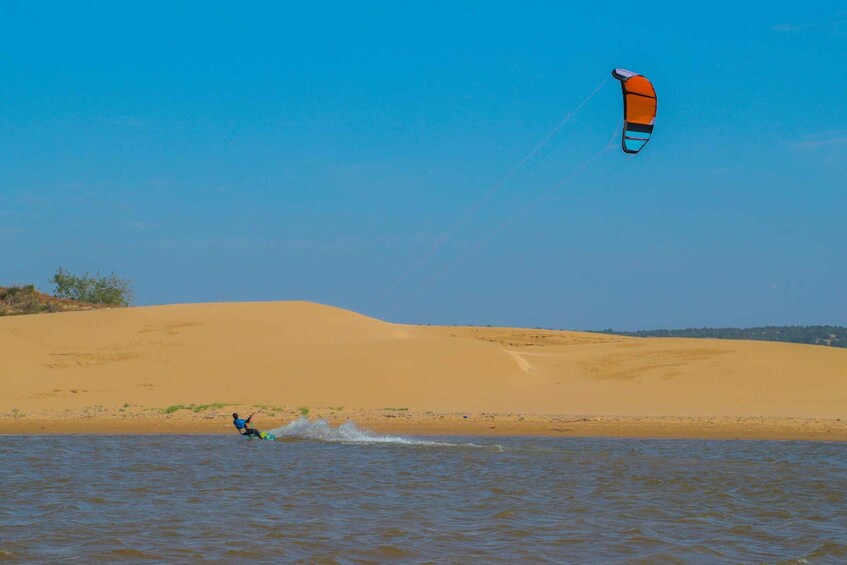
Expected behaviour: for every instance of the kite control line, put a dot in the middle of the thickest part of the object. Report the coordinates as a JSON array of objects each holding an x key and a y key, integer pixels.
[
  {"x": 491, "y": 192},
  {"x": 523, "y": 211}
]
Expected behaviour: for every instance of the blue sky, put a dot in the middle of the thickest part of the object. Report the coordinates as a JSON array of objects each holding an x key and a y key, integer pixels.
[{"x": 271, "y": 151}]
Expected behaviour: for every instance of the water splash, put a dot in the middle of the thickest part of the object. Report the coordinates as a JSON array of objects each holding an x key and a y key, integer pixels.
[{"x": 348, "y": 432}]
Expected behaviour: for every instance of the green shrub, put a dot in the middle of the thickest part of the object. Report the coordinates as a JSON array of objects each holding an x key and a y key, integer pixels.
[
  {"x": 203, "y": 407},
  {"x": 20, "y": 300},
  {"x": 24, "y": 290},
  {"x": 16, "y": 292},
  {"x": 193, "y": 407},
  {"x": 97, "y": 289}
]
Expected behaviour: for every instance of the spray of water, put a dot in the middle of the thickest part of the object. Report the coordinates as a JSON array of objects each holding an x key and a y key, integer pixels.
[{"x": 348, "y": 432}]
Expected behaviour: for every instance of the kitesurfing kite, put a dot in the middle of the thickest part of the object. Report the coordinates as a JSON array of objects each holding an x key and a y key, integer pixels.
[{"x": 639, "y": 110}]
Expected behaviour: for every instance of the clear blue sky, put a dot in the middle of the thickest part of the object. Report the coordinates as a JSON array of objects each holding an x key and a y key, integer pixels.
[{"x": 308, "y": 150}]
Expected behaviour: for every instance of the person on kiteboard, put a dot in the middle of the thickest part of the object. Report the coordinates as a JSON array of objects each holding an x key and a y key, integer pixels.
[{"x": 241, "y": 426}]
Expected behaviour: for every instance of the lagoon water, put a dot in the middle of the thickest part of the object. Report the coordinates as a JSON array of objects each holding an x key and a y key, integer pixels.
[{"x": 330, "y": 495}]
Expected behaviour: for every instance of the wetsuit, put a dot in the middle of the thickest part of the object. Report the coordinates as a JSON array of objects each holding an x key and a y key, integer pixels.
[{"x": 241, "y": 425}]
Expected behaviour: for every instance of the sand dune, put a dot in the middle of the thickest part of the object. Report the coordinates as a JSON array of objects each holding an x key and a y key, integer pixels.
[{"x": 301, "y": 354}]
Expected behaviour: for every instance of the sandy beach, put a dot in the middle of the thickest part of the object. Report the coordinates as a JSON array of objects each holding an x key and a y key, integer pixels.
[{"x": 185, "y": 368}]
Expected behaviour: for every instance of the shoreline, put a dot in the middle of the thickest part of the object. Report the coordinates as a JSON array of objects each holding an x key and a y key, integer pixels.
[
  {"x": 186, "y": 368},
  {"x": 445, "y": 423}
]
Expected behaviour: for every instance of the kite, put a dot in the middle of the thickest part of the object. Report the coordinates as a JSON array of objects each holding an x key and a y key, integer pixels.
[{"x": 639, "y": 110}]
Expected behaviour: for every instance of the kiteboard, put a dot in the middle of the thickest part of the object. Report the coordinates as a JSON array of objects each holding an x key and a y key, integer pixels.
[{"x": 263, "y": 435}]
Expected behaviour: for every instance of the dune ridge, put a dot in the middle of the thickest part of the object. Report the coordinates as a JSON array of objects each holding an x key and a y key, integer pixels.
[{"x": 108, "y": 365}]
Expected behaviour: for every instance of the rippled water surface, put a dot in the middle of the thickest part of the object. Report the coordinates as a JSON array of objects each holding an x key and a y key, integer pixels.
[{"x": 327, "y": 496}]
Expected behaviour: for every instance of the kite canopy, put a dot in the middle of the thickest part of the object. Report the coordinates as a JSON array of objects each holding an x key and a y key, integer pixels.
[{"x": 639, "y": 109}]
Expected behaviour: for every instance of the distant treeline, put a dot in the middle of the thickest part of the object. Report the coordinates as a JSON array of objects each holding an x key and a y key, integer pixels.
[{"x": 835, "y": 336}]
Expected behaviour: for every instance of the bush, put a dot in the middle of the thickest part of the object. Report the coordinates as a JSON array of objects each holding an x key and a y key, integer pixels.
[
  {"x": 14, "y": 291},
  {"x": 20, "y": 300},
  {"x": 97, "y": 289}
]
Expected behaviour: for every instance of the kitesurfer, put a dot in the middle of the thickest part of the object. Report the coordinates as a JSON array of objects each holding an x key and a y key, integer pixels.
[{"x": 241, "y": 426}]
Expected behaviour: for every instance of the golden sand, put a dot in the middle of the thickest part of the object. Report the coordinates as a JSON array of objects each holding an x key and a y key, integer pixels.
[{"x": 129, "y": 370}]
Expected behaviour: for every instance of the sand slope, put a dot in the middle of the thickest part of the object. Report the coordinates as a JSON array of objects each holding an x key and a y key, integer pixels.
[{"x": 303, "y": 354}]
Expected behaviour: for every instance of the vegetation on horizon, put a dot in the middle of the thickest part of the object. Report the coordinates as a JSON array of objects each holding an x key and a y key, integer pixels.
[
  {"x": 71, "y": 292},
  {"x": 23, "y": 299},
  {"x": 96, "y": 289},
  {"x": 832, "y": 336},
  {"x": 26, "y": 299}
]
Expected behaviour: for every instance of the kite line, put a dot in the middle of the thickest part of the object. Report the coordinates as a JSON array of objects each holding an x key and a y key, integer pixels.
[
  {"x": 491, "y": 192},
  {"x": 609, "y": 146}
]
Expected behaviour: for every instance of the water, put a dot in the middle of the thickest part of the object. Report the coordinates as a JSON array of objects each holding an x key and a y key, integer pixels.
[{"x": 342, "y": 495}]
